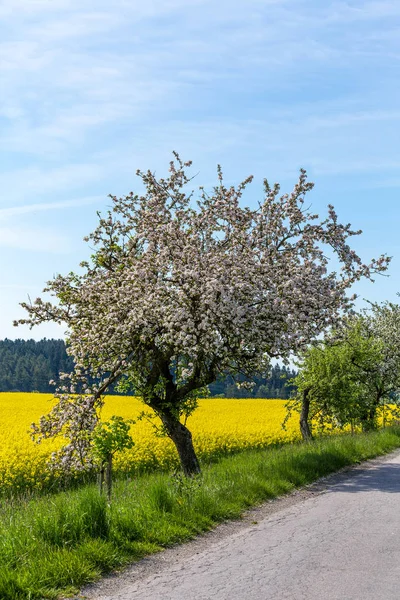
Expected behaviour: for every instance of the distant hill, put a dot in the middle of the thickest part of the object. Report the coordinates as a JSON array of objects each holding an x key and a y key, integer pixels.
[{"x": 28, "y": 365}]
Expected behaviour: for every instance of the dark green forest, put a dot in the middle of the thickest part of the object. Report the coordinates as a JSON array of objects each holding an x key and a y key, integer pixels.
[
  {"x": 28, "y": 366},
  {"x": 274, "y": 386}
]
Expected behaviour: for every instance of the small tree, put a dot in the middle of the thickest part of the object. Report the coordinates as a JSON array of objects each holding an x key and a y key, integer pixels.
[
  {"x": 178, "y": 292},
  {"x": 108, "y": 438},
  {"x": 379, "y": 328},
  {"x": 355, "y": 371},
  {"x": 329, "y": 391}
]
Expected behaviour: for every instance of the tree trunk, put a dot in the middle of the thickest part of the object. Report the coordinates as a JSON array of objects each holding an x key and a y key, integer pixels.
[
  {"x": 182, "y": 439},
  {"x": 304, "y": 414},
  {"x": 109, "y": 476},
  {"x": 368, "y": 423},
  {"x": 368, "y": 419},
  {"x": 100, "y": 479}
]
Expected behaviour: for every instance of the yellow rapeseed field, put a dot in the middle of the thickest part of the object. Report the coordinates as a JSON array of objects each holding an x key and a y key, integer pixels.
[{"x": 219, "y": 426}]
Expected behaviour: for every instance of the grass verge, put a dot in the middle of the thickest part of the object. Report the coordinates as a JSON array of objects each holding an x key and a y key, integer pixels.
[{"x": 54, "y": 545}]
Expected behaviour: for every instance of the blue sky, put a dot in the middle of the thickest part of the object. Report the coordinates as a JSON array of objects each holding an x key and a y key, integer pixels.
[{"x": 93, "y": 90}]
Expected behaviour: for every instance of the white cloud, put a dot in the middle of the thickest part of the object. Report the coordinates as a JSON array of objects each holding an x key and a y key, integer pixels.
[
  {"x": 17, "y": 286},
  {"x": 361, "y": 10},
  {"x": 36, "y": 240},
  {"x": 46, "y": 206},
  {"x": 12, "y": 8},
  {"x": 34, "y": 182},
  {"x": 75, "y": 25}
]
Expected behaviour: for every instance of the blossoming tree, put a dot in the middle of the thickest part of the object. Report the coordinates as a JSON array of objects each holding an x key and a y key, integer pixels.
[{"x": 180, "y": 290}]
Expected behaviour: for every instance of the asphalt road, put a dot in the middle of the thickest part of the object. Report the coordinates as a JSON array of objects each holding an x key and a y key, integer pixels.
[{"x": 339, "y": 540}]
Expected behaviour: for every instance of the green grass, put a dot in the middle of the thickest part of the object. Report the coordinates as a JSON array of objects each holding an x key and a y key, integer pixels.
[{"x": 56, "y": 544}]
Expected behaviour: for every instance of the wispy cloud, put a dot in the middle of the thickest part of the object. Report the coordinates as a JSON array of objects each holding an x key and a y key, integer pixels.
[
  {"x": 34, "y": 237},
  {"x": 6, "y": 213},
  {"x": 37, "y": 182},
  {"x": 34, "y": 240},
  {"x": 18, "y": 286},
  {"x": 364, "y": 11}
]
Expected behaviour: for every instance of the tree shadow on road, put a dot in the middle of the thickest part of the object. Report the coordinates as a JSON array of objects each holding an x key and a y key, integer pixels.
[{"x": 383, "y": 478}]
